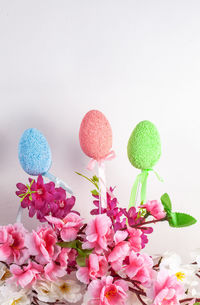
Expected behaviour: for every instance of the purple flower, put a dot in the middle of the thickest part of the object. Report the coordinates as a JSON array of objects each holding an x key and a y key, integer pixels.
[
  {"x": 146, "y": 230},
  {"x": 44, "y": 199},
  {"x": 63, "y": 206},
  {"x": 134, "y": 219},
  {"x": 113, "y": 211},
  {"x": 24, "y": 192},
  {"x": 132, "y": 216}
]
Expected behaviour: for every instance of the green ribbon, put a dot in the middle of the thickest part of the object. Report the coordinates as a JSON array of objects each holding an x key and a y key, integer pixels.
[{"x": 141, "y": 178}]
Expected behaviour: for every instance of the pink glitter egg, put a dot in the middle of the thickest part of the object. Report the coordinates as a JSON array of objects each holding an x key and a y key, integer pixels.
[{"x": 95, "y": 135}]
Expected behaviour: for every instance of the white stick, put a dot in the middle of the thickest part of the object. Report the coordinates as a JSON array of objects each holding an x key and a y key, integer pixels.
[
  {"x": 102, "y": 186},
  {"x": 19, "y": 214}
]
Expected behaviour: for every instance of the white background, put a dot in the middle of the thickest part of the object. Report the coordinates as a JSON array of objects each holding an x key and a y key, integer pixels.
[{"x": 133, "y": 60}]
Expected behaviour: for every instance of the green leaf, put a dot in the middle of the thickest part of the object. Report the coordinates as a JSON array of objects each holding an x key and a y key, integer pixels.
[
  {"x": 78, "y": 244},
  {"x": 69, "y": 244},
  {"x": 95, "y": 179},
  {"x": 81, "y": 261},
  {"x": 84, "y": 253},
  {"x": 179, "y": 220},
  {"x": 166, "y": 202},
  {"x": 196, "y": 303},
  {"x": 95, "y": 192},
  {"x": 87, "y": 252},
  {"x": 80, "y": 252},
  {"x": 84, "y": 176}
]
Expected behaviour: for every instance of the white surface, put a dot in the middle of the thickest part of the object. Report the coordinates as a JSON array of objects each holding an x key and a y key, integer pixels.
[{"x": 133, "y": 60}]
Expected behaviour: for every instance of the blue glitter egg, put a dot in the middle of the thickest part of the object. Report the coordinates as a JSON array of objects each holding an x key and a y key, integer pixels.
[{"x": 34, "y": 152}]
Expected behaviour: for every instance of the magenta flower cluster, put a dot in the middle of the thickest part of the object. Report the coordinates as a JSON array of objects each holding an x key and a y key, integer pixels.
[{"x": 43, "y": 199}]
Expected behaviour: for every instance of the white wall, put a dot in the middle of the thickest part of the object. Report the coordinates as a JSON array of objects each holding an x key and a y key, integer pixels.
[{"x": 133, "y": 60}]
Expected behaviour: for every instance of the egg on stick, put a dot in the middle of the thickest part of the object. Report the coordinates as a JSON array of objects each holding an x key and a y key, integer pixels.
[
  {"x": 144, "y": 151},
  {"x": 95, "y": 137},
  {"x": 34, "y": 154}
]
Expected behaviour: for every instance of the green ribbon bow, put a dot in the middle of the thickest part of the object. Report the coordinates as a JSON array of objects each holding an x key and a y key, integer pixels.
[{"x": 141, "y": 178}]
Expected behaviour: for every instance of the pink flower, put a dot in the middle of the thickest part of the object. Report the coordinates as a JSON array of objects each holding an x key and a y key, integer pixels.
[
  {"x": 140, "y": 268},
  {"x": 65, "y": 256},
  {"x": 26, "y": 275},
  {"x": 98, "y": 233},
  {"x": 97, "y": 267},
  {"x": 12, "y": 244},
  {"x": 52, "y": 271},
  {"x": 135, "y": 239},
  {"x": 42, "y": 244},
  {"x": 155, "y": 208},
  {"x": 166, "y": 290},
  {"x": 107, "y": 292},
  {"x": 121, "y": 250},
  {"x": 68, "y": 227}
]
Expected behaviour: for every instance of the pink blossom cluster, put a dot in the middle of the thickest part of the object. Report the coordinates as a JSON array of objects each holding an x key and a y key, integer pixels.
[
  {"x": 114, "y": 268},
  {"x": 121, "y": 216},
  {"x": 165, "y": 289},
  {"x": 36, "y": 255},
  {"x": 114, "y": 252},
  {"x": 155, "y": 208},
  {"x": 117, "y": 266},
  {"x": 44, "y": 199},
  {"x": 105, "y": 253}
]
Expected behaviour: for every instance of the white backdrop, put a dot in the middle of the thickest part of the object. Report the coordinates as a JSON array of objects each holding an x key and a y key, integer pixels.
[{"x": 133, "y": 60}]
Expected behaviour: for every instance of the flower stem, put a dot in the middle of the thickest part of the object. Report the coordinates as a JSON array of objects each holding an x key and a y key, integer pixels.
[
  {"x": 189, "y": 299},
  {"x": 137, "y": 292},
  {"x": 82, "y": 229},
  {"x": 140, "y": 299},
  {"x": 148, "y": 222}
]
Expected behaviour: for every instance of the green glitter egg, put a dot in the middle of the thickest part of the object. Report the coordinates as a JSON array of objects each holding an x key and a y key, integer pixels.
[{"x": 144, "y": 146}]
